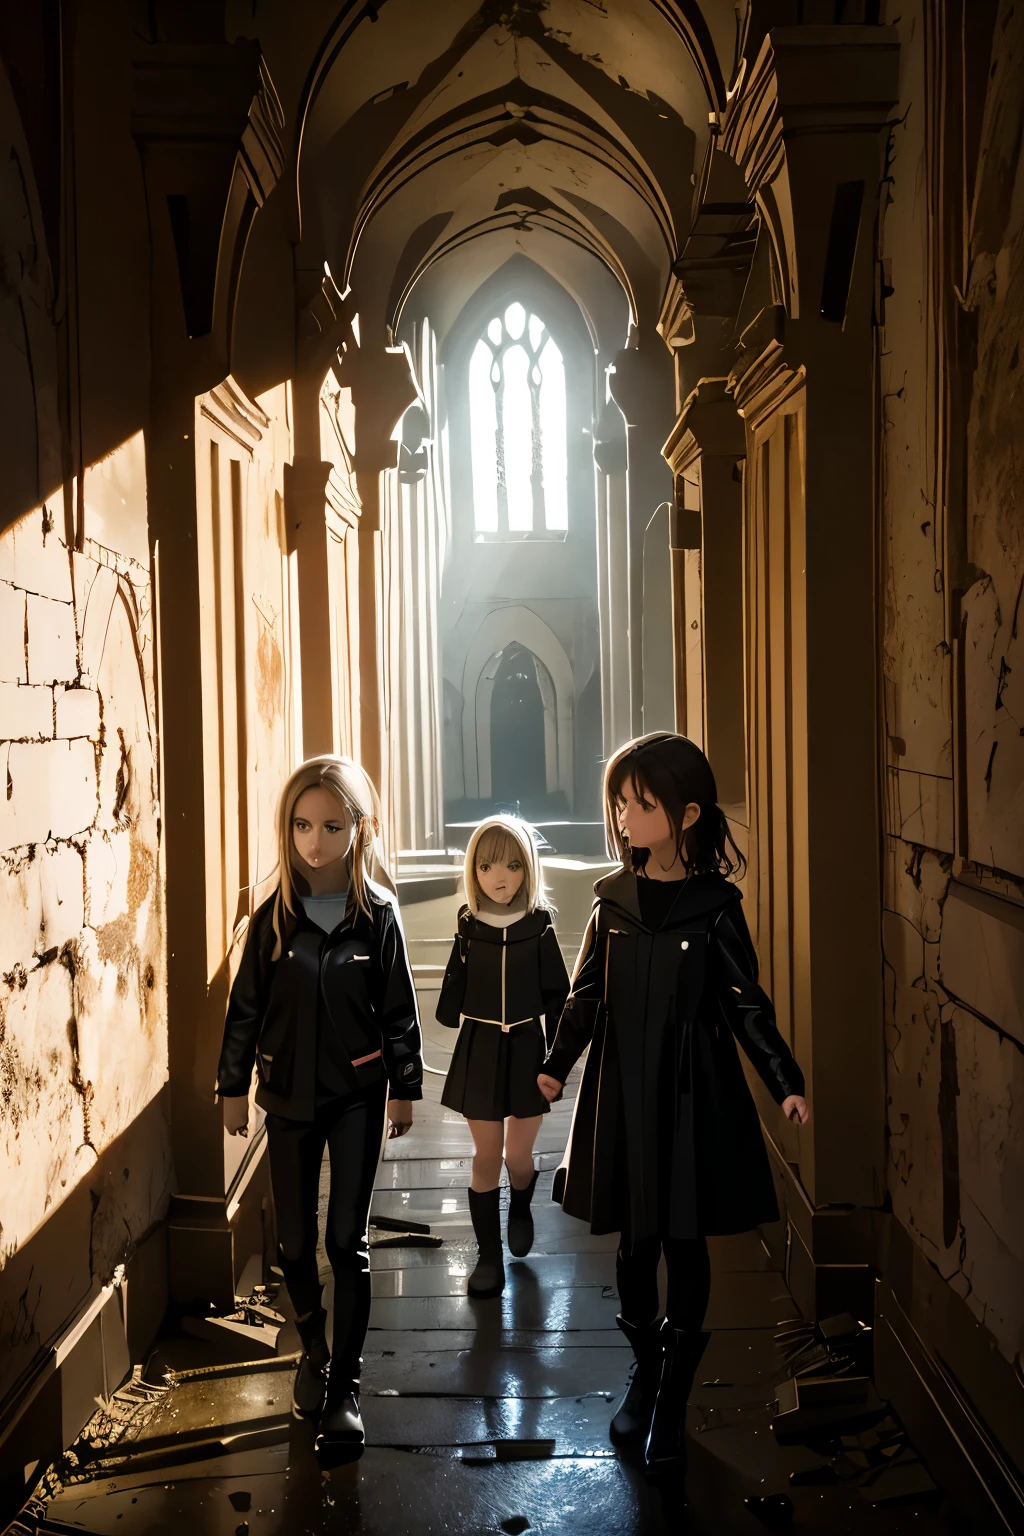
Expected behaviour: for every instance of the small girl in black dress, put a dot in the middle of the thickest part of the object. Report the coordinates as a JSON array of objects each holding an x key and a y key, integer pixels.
[{"x": 505, "y": 985}]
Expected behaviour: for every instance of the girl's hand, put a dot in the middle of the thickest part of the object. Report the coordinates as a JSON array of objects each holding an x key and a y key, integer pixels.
[
  {"x": 399, "y": 1117},
  {"x": 236, "y": 1115},
  {"x": 550, "y": 1087},
  {"x": 795, "y": 1108}
]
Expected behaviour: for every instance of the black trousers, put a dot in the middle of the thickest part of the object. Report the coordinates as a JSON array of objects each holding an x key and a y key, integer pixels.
[
  {"x": 351, "y": 1130},
  {"x": 689, "y": 1279}
]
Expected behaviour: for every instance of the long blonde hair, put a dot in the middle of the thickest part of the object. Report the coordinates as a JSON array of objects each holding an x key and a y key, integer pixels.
[
  {"x": 497, "y": 840},
  {"x": 365, "y": 857}
]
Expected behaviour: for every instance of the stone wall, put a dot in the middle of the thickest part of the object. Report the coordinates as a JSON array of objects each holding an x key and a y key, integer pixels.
[
  {"x": 953, "y": 293},
  {"x": 83, "y": 1037}
]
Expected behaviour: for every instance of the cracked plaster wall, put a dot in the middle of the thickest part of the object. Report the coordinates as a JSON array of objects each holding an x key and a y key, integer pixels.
[
  {"x": 954, "y": 892},
  {"x": 83, "y": 1045},
  {"x": 84, "y": 1151}
]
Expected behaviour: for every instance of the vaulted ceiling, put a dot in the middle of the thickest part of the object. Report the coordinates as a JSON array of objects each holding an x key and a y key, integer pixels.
[{"x": 444, "y": 137}]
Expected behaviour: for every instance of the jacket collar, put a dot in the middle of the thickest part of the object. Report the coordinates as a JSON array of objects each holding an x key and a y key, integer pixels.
[{"x": 700, "y": 895}]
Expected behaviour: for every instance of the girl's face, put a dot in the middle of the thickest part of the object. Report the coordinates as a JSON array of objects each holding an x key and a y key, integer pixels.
[
  {"x": 498, "y": 881},
  {"x": 321, "y": 828},
  {"x": 643, "y": 821}
]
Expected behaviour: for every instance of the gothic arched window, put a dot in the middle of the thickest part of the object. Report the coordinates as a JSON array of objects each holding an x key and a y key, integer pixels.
[{"x": 517, "y": 429}]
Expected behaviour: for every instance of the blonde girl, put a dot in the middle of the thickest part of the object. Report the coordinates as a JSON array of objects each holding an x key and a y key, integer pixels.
[
  {"x": 503, "y": 989},
  {"x": 324, "y": 1008}
]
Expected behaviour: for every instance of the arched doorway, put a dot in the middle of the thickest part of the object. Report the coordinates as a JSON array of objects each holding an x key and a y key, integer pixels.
[{"x": 518, "y": 768}]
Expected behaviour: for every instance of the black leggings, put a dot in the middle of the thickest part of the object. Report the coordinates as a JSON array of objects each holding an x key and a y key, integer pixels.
[
  {"x": 352, "y": 1130},
  {"x": 689, "y": 1280}
]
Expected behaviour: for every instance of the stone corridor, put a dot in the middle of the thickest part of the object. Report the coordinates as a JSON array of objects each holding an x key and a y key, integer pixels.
[{"x": 483, "y": 1417}]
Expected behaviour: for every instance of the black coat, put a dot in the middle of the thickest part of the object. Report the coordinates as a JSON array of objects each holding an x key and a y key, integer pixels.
[
  {"x": 505, "y": 975},
  {"x": 329, "y": 1000},
  {"x": 665, "y": 1133}
]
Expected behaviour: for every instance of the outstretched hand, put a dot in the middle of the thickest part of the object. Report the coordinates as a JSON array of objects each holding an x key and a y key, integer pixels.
[
  {"x": 550, "y": 1087},
  {"x": 795, "y": 1108}
]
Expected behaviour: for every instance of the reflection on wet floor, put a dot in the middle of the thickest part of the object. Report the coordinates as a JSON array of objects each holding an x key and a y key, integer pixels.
[{"x": 481, "y": 1417}]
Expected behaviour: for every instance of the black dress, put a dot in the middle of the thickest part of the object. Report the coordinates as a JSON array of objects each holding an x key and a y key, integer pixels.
[
  {"x": 506, "y": 987},
  {"x": 666, "y": 1139}
]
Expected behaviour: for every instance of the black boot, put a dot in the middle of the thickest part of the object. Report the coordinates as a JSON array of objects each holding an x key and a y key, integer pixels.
[
  {"x": 488, "y": 1278},
  {"x": 520, "y": 1222},
  {"x": 311, "y": 1376},
  {"x": 665, "y": 1451},
  {"x": 340, "y": 1438},
  {"x": 633, "y": 1416}
]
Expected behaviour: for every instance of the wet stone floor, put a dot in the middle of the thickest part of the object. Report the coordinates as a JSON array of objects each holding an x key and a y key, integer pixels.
[{"x": 481, "y": 1417}]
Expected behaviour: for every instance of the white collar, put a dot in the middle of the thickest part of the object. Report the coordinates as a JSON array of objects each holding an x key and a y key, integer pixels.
[{"x": 496, "y": 916}]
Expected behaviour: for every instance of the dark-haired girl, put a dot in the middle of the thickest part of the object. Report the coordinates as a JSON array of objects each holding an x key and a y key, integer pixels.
[{"x": 666, "y": 1146}]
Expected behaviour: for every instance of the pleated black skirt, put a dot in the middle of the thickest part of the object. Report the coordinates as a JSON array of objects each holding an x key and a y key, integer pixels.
[{"x": 494, "y": 1071}]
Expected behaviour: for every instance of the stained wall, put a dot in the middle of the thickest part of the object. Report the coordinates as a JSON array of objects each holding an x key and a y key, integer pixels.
[
  {"x": 85, "y": 1167},
  {"x": 951, "y": 295}
]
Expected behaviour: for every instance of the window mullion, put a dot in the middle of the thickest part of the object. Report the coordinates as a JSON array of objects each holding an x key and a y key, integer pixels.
[
  {"x": 498, "y": 383},
  {"x": 537, "y": 446}
]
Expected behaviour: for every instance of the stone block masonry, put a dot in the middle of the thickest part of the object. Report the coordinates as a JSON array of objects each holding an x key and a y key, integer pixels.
[{"x": 83, "y": 1043}]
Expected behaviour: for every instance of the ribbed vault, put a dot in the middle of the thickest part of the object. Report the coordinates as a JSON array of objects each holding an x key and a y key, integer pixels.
[{"x": 437, "y": 142}]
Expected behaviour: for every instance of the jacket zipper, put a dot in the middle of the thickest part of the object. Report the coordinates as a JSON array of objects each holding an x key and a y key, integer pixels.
[{"x": 504, "y": 952}]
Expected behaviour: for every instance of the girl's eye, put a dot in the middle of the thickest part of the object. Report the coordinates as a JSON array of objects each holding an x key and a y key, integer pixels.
[
  {"x": 331, "y": 826},
  {"x": 483, "y": 868},
  {"x": 513, "y": 866}
]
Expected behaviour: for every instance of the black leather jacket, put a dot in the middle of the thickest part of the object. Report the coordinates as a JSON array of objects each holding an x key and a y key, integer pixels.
[
  {"x": 329, "y": 1000},
  {"x": 505, "y": 975}
]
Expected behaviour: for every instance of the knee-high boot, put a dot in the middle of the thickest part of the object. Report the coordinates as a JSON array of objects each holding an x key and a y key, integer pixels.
[
  {"x": 341, "y": 1438},
  {"x": 488, "y": 1278},
  {"x": 520, "y": 1221},
  {"x": 632, "y": 1419},
  {"x": 665, "y": 1450},
  {"x": 311, "y": 1376}
]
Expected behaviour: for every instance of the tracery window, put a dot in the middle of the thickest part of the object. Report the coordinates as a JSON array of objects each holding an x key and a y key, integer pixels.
[{"x": 518, "y": 429}]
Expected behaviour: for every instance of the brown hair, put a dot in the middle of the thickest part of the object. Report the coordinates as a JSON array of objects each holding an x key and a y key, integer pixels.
[
  {"x": 365, "y": 859},
  {"x": 673, "y": 771},
  {"x": 497, "y": 840}
]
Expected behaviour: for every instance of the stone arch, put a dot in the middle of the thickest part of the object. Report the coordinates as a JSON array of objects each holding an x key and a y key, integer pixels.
[{"x": 497, "y": 630}]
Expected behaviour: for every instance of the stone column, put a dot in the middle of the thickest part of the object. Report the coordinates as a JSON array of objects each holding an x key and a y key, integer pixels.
[
  {"x": 208, "y": 125},
  {"x": 641, "y": 386},
  {"x": 708, "y": 441},
  {"x": 305, "y": 492},
  {"x": 807, "y": 131},
  {"x": 383, "y": 388}
]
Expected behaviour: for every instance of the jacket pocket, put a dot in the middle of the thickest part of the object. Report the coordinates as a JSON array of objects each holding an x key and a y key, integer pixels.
[{"x": 275, "y": 1054}]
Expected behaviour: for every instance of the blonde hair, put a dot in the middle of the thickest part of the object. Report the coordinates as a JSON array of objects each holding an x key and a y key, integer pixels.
[
  {"x": 365, "y": 857},
  {"x": 497, "y": 840}
]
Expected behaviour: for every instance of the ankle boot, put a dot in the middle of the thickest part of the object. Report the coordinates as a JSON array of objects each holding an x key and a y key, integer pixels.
[
  {"x": 633, "y": 1417},
  {"x": 340, "y": 1438},
  {"x": 311, "y": 1376},
  {"x": 665, "y": 1450},
  {"x": 520, "y": 1221},
  {"x": 488, "y": 1278}
]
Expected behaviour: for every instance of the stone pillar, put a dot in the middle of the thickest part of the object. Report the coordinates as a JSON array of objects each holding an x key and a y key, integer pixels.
[
  {"x": 807, "y": 130},
  {"x": 305, "y": 491},
  {"x": 707, "y": 446},
  {"x": 640, "y": 384},
  {"x": 613, "y": 576},
  {"x": 208, "y": 125},
  {"x": 383, "y": 388}
]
